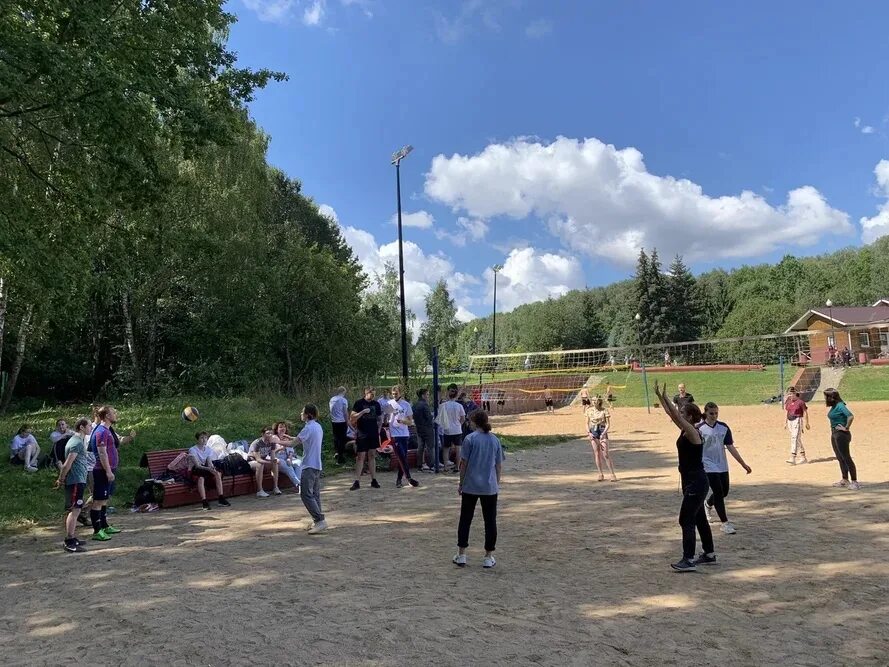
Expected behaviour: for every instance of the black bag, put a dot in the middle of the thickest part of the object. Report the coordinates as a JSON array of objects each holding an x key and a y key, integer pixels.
[
  {"x": 148, "y": 492},
  {"x": 233, "y": 464}
]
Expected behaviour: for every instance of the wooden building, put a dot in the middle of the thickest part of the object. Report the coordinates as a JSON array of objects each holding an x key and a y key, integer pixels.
[{"x": 863, "y": 329}]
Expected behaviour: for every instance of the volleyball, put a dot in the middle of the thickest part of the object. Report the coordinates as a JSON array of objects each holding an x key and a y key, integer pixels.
[{"x": 190, "y": 414}]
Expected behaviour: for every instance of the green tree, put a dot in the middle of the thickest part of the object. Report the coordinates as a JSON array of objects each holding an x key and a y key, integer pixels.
[
  {"x": 441, "y": 326},
  {"x": 685, "y": 308}
]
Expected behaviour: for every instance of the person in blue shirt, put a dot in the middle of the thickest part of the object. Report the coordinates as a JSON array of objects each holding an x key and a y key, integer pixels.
[
  {"x": 481, "y": 468},
  {"x": 840, "y": 418}
]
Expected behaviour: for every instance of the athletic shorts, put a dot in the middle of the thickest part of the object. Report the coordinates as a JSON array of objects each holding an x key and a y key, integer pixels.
[
  {"x": 102, "y": 488},
  {"x": 597, "y": 431},
  {"x": 365, "y": 443},
  {"x": 195, "y": 473},
  {"x": 585, "y": 402},
  {"x": 549, "y": 402},
  {"x": 74, "y": 496},
  {"x": 452, "y": 440}
]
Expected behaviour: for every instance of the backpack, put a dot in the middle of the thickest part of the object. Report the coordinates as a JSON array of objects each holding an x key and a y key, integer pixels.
[
  {"x": 233, "y": 464},
  {"x": 179, "y": 467},
  {"x": 149, "y": 492}
]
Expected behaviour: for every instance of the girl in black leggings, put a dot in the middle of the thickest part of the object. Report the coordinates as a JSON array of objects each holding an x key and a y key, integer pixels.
[
  {"x": 840, "y": 418},
  {"x": 694, "y": 483}
]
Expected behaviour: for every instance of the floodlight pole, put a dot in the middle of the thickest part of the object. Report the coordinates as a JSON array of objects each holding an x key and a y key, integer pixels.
[
  {"x": 396, "y": 160},
  {"x": 497, "y": 268}
]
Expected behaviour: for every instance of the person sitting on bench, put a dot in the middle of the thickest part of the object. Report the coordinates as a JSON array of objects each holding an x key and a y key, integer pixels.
[
  {"x": 262, "y": 455},
  {"x": 202, "y": 469}
]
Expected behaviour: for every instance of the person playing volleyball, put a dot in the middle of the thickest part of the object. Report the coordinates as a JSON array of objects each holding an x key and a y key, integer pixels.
[
  {"x": 694, "y": 482},
  {"x": 796, "y": 409},
  {"x": 548, "y": 398},
  {"x": 598, "y": 424}
]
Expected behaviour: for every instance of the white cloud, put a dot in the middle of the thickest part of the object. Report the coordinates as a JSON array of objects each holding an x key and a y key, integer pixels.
[
  {"x": 604, "y": 202},
  {"x": 465, "y": 315},
  {"x": 314, "y": 13},
  {"x": 365, "y": 6},
  {"x": 539, "y": 28},
  {"x": 418, "y": 219},
  {"x": 468, "y": 229},
  {"x": 327, "y": 211},
  {"x": 877, "y": 226},
  {"x": 865, "y": 129},
  {"x": 273, "y": 11},
  {"x": 529, "y": 276},
  {"x": 471, "y": 12}
]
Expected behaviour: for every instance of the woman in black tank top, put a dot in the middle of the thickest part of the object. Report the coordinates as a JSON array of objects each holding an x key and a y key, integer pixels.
[{"x": 692, "y": 516}]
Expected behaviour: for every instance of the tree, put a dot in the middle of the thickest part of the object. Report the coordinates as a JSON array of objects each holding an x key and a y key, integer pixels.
[
  {"x": 685, "y": 308},
  {"x": 441, "y": 326},
  {"x": 383, "y": 306}
]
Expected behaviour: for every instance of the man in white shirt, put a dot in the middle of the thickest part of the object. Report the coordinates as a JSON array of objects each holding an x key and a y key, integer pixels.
[
  {"x": 202, "y": 468},
  {"x": 262, "y": 455},
  {"x": 451, "y": 416},
  {"x": 311, "y": 438},
  {"x": 339, "y": 422},
  {"x": 400, "y": 418},
  {"x": 24, "y": 447}
]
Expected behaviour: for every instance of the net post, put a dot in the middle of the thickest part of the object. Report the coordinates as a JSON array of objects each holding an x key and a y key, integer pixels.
[
  {"x": 781, "y": 378},
  {"x": 436, "y": 447},
  {"x": 645, "y": 382}
]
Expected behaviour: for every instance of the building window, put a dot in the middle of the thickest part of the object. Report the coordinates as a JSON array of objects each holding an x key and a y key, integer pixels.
[
  {"x": 884, "y": 338},
  {"x": 831, "y": 342},
  {"x": 863, "y": 339}
]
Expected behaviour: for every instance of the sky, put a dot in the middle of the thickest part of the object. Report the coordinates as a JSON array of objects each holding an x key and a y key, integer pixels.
[{"x": 557, "y": 139}]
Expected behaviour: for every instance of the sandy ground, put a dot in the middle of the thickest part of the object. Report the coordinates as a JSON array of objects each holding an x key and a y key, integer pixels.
[{"x": 582, "y": 575}]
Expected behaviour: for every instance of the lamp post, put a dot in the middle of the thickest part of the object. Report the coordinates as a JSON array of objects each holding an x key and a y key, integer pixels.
[
  {"x": 832, "y": 342},
  {"x": 638, "y": 319},
  {"x": 397, "y": 157},
  {"x": 496, "y": 268}
]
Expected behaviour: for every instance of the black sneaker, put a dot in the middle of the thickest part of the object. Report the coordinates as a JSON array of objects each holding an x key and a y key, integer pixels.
[
  {"x": 355, "y": 486},
  {"x": 80, "y": 543},
  {"x": 71, "y": 546},
  {"x": 684, "y": 565},
  {"x": 398, "y": 484},
  {"x": 705, "y": 559},
  {"x": 205, "y": 505},
  {"x": 224, "y": 502},
  {"x": 374, "y": 484},
  {"x": 413, "y": 482}
]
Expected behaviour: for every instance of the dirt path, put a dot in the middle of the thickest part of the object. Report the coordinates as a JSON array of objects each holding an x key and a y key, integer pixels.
[{"x": 582, "y": 575}]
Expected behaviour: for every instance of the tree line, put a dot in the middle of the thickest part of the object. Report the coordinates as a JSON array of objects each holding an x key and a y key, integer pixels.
[{"x": 146, "y": 244}]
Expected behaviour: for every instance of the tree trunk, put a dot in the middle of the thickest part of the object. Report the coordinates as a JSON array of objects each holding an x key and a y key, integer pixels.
[
  {"x": 20, "y": 347},
  {"x": 4, "y": 297},
  {"x": 289, "y": 365},
  {"x": 131, "y": 340}
]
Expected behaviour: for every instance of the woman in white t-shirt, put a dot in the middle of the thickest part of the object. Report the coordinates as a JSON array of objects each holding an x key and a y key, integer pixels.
[{"x": 24, "y": 448}]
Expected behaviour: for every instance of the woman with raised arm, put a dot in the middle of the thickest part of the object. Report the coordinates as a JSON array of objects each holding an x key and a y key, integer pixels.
[{"x": 694, "y": 483}]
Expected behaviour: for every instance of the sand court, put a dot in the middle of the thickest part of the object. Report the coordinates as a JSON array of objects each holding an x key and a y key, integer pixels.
[{"x": 582, "y": 577}]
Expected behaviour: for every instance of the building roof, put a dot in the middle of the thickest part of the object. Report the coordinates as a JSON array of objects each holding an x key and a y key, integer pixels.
[
  {"x": 881, "y": 302},
  {"x": 843, "y": 316}
]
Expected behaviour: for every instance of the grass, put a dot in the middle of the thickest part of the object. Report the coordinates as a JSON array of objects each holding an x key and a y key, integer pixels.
[
  {"x": 29, "y": 499},
  {"x": 865, "y": 383}
]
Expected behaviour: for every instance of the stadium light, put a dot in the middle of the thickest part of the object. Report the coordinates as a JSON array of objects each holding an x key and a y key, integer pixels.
[
  {"x": 497, "y": 268},
  {"x": 397, "y": 157}
]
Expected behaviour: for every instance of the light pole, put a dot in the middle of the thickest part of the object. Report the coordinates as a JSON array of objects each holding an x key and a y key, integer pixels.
[
  {"x": 638, "y": 319},
  {"x": 496, "y": 268},
  {"x": 832, "y": 342},
  {"x": 397, "y": 157}
]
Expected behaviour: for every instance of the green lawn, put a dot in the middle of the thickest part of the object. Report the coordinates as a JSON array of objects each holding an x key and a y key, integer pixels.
[
  {"x": 865, "y": 383},
  {"x": 26, "y": 499},
  {"x": 721, "y": 387}
]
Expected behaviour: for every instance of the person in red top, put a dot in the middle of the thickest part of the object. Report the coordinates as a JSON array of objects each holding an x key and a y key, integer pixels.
[{"x": 795, "y": 411}]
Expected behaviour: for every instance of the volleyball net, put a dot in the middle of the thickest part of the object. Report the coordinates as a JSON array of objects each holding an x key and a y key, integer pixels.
[{"x": 730, "y": 371}]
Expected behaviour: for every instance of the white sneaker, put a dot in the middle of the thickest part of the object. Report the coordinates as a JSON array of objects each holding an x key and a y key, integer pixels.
[
  {"x": 460, "y": 560},
  {"x": 729, "y": 528},
  {"x": 842, "y": 482},
  {"x": 277, "y": 491},
  {"x": 31, "y": 468},
  {"x": 854, "y": 486},
  {"x": 489, "y": 561},
  {"x": 318, "y": 528},
  {"x": 791, "y": 461},
  {"x": 425, "y": 468},
  {"x": 262, "y": 494}
]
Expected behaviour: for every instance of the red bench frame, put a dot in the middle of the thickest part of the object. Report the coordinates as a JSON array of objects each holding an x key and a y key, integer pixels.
[{"x": 180, "y": 493}]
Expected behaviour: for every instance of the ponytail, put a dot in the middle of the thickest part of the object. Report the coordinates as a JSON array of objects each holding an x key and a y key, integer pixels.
[{"x": 479, "y": 418}]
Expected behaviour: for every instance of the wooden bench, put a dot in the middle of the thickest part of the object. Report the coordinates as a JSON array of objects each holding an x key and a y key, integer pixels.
[{"x": 180, "y": 493}]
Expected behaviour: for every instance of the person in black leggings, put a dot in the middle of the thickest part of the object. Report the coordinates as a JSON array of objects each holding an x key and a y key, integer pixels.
[
  {"x": 694, "y": 483},
  {"x": 840, "y": 418}
]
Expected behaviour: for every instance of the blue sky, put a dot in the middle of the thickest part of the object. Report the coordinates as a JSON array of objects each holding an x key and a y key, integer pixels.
[{"x": 557, "y": 138}]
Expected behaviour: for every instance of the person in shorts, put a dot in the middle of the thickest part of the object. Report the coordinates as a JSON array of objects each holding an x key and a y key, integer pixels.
[
  {"x": 104, "y": 449},
  {"x": 451, "y": 417},
  {"x": 367, "y": 416},
  {"x": 262, "y": 456},
  {"x": 24, "y": 448},
  {"x": 73, "y": 476},
  {"x": 202, "y": 469},
  {"x": 548, "y": 398},
  {"x": 598, "y": 425},
  {"x": 585, "y": 398}
]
